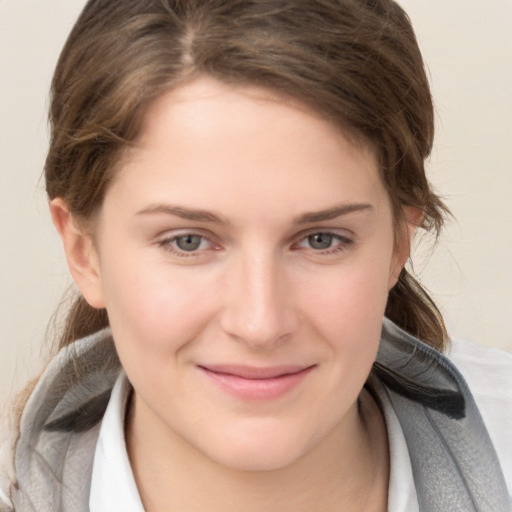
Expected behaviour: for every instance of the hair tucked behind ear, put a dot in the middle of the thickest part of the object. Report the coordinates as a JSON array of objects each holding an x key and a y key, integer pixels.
[
  {"x": 82, "y": 320},
  {"x": 411, "y": 307},
  {"x": 356, "y": 62}
]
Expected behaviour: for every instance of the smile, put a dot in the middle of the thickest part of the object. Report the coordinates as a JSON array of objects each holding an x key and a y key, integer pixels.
[{"x": 256, "y": 384}]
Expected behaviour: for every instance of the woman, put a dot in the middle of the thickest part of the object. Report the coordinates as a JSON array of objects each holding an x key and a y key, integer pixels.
[{"x": 236, "y": 186}]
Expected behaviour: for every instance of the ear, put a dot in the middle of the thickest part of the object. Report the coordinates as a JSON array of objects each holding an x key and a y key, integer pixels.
[
  {"x": 413, "y": 219},
  {"x": 80, "y": 252}
]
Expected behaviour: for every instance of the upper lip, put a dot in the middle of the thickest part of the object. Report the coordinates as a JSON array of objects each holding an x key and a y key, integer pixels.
[{"x": 255, "y": 372}]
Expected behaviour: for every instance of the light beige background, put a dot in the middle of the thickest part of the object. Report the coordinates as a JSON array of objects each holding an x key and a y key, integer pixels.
[{"x": 467, "y": 45}]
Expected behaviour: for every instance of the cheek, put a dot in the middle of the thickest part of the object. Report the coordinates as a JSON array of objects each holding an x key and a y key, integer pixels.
[
  {"x": 155, "y": 309},
  {"x": 347, "y": 311},
  {"x": 351, "y": 296}
]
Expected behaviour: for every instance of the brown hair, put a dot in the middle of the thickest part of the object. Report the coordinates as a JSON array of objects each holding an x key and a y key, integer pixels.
[{"x": 356, "y": 62}]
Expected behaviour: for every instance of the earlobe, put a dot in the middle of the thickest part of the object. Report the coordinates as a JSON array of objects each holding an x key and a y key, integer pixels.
[{"x": 80, "y": 252}]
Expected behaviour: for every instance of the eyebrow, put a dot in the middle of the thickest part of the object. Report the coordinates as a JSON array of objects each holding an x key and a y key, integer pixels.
[
  {"x": 182, "y": 212},
  {"x": 332, "y": 213},
  {"x": 207, "y": 216}
]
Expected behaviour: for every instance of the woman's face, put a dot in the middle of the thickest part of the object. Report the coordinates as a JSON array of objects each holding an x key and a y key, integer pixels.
[{"x": 244, "y": 254}]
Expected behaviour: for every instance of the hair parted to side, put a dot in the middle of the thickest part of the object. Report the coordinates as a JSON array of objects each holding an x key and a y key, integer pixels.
[{"x": 356, "y": 62}]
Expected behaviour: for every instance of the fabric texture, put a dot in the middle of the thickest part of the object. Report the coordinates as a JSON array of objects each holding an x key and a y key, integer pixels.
[
  {"x": 454, "y": 462},
  {"x": 442, "y": 426},
  {"x": 114, "y": 490}
]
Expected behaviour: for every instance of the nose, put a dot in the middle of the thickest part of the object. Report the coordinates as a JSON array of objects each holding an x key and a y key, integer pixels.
[{"x": 259, "y": 309}]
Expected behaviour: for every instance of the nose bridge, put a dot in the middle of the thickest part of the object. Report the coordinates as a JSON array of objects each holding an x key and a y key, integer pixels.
[{"x": 258, "y": 310}]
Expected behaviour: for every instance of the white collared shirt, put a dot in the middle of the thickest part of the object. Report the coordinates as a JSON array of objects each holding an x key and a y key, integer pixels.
[{"x": 113, "y": 487}]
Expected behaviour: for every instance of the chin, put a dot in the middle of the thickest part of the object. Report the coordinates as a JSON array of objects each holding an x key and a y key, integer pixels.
[
  {"x": 263, "y": 459},
  {"x": 263, "y": 450}
]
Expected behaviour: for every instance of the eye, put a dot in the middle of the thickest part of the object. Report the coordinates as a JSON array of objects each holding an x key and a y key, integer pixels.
[
  {"x": 186, "y": 244},
  {"x": 324, "y": 242},
  {"x": 320, "y": 241}
]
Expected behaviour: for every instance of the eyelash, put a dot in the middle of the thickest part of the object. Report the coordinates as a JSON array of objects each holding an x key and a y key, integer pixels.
[{"x": 343, "y": 243}]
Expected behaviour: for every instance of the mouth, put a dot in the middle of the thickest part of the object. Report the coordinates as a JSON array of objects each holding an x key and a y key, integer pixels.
[{"x": 255, "y": 383}]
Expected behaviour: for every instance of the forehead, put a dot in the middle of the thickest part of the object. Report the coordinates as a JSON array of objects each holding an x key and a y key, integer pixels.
[
  {"x": 206, "y": 142},
  {"x": 240, "y": 99}
]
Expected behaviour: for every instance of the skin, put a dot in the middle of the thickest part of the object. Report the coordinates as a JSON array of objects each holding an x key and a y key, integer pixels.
[{"x": 266, "y": 174}]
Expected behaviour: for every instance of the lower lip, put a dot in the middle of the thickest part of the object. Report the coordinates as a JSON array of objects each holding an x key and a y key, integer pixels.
[{"x": 257, "y": 389}]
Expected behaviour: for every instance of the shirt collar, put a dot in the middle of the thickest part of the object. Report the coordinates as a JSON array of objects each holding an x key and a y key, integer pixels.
[
  {"x": 113, "y": 484},
  {"x": 402, "y": 495}
]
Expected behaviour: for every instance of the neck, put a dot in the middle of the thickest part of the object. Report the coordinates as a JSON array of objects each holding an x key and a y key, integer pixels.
[{"x": 348, "y": 470}]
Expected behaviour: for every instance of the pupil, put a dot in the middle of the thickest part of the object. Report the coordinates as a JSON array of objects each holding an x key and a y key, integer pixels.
[
  {"x": 320, "y": 241},
  {"x": 188, "y": 242}
]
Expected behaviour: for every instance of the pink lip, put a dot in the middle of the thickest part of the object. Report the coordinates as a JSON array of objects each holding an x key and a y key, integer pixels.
[{"x": 253, "y": 383}]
